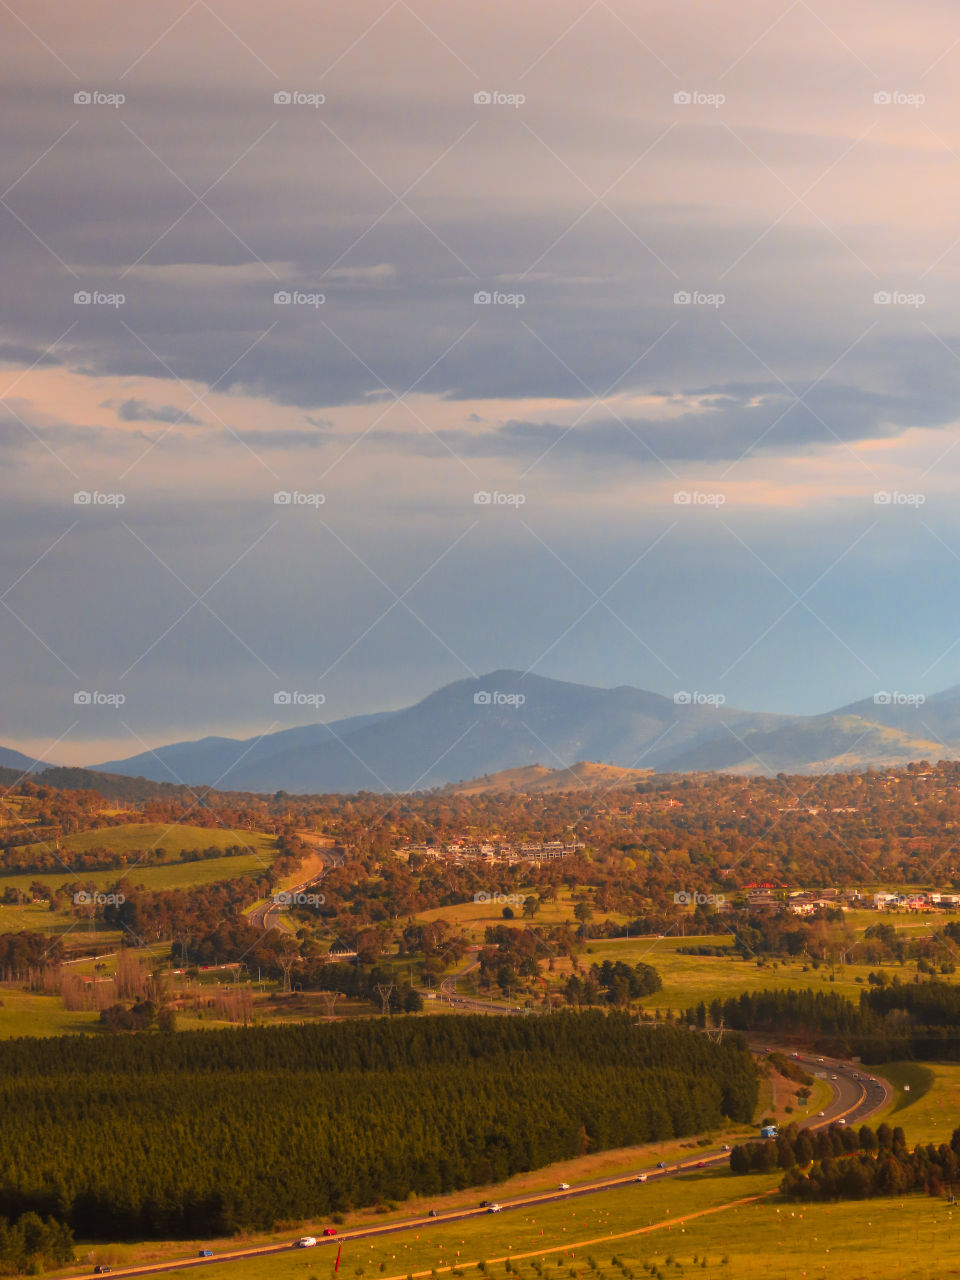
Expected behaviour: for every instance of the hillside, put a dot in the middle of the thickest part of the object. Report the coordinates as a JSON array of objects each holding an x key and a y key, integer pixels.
[
  {"x": 453, "y": 734},
  {"x": 16, "y": 760},
  {"x": 508, "y": 721},
  {"x": 210, "y": 759},
  {"x": 822, "y": 744},
  {"x": 538, "y": 780}
]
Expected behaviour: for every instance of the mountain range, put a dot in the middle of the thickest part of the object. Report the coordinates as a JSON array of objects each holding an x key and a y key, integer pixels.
[
  {"x": 509, "y": 721},
  {"x": 506, "y": 720}
]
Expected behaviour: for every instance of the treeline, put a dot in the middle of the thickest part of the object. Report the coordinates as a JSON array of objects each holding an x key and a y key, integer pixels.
[
  {"x": 31, "y": 1245},
  {"x": 613, "y": 982},
  {"x": 151, "y": 913},
  {"x": 24, "y": 951},
  {"x": 199, "y": 1133},
  {"x": 642, "y": 845},
  {"x": 841, "y": 1163},
  {"x": 892, "y": 1021},
  {"x": 360, "y": 981}
]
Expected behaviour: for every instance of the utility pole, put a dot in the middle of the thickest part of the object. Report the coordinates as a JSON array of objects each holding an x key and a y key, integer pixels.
[{"x": 385, "y": 991}]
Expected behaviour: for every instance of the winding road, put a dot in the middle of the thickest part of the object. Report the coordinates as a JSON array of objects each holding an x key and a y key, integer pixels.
[{"x": 269, "y": 914}]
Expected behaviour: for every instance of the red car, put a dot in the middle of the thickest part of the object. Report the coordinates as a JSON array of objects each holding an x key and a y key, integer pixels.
[
  {"x": 329, "y": 1231},
  {"x": 701, "y": 1164}
]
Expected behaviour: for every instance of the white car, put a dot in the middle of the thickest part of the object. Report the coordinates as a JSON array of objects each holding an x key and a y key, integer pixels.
[
  {"x": 306, "y": 1242},
  {"x": 564, "y": 1186},
  {"x": 494, "y": 1208},
  {"x": 641, "y": 1177},
  {"x": 841, "y": 1121}
]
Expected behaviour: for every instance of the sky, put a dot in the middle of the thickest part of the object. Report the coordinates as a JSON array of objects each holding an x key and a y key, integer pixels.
[{"x": 347, "y": 350}]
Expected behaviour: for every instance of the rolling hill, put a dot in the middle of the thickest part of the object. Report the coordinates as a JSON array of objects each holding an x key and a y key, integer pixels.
[{"x": 536, "y": 779}]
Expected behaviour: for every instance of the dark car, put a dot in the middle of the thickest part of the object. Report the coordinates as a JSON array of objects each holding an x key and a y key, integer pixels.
[
  {"x": 484, "y": 1204},
  {"x": 205, "y": 1253},
  {"x": 102, "y": 1269},
  {"x": 433, "y": 1214},
  {"x": 661, "y": 1165}
]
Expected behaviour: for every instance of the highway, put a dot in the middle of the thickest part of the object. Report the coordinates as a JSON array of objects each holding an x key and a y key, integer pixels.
[
  {"x": 857, "y": 1096},
  {"x": 269, "y": 914}
]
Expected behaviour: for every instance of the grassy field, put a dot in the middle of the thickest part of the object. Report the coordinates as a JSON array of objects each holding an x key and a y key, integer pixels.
[
  {"x": 131, "y": 836},
  {"x": 482, "y": 1237},
  {"x": 127, "y": 839},
  {"x": 696, "y": 1224},
  {"x": 689, "y": 979},
  {"x": 24, "y": 1014},
  {"x": 175, "y": 875},
  {"x": 475, "y": 917},
  {"x": 929, "y": 1110}
]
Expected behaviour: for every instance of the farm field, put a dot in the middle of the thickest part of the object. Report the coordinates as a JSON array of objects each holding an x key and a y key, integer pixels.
[
  {"x": 22, "y": 1013},
  {"x": 688, "y": 979},
  {"x": 539, "y": 1227},
  {"x": 606, "y": 1234},
  {"x": 475, "y": 917},
  {"x": 38, "y": 918},
  {"x": 174, "y": 875},
  {"x": 927, "y": 1099},
  {"x": 131, "y": 836}
]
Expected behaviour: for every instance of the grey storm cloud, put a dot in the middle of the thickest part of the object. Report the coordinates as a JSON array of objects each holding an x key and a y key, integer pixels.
[
  {"x": 602, "y": 202},
  {"x": 141, "y": 411},
  {"x": 19, "y": 354},
  {"x": 731, "y": 424}
]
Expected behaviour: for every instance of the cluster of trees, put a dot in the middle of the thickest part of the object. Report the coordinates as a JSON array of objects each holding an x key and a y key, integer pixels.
[
  {"x": 362, "y": 982},
  {"x": 613, "y": 982},
  {"x": 31, "y": 1245},
  {"x": 824, "y": 936},
  {"x": 799, "y": 1147},
  {"x": 893, "y": 1020},
  {"x": 139, "y": 1016},
  {"x": 199, "y": 1133},
  {"x": 151, "y": 914},
  {"x": 843, "y": 1163},
  {"x": 643, "y": 843},
  {"x": 21, "y": 952}
]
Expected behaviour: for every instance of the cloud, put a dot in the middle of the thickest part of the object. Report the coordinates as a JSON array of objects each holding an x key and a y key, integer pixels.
[
  {"x": 19, "y": 354},
  {"x": 399, "y": 200},
  {"x": 142, "y": 411},
  {"x": 728, "y": 423}
]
